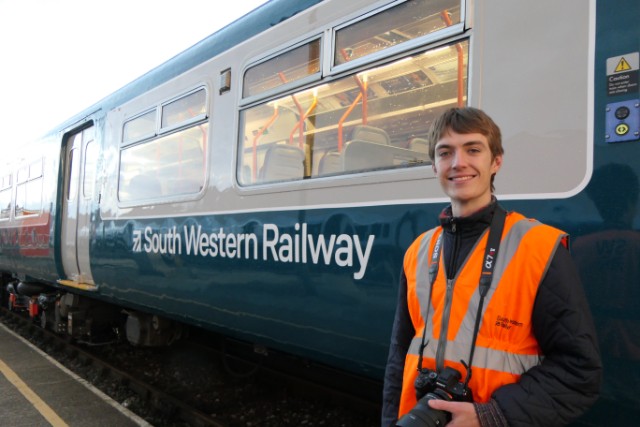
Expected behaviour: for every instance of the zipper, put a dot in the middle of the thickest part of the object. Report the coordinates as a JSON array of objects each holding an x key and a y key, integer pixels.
[{"x": 448, "y": 299}]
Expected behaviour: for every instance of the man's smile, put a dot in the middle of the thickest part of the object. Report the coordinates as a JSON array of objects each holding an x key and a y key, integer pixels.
[{"x": 461, "y": 178}]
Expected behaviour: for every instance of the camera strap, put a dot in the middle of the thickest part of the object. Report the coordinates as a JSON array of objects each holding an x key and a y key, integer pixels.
[{"x": 486, "y": 277}]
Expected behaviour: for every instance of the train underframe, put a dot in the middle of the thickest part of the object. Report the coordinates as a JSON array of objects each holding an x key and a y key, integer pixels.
[{"x": 86, "y": 319}]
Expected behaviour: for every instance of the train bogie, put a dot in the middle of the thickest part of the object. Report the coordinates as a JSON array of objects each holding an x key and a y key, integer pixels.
[{"x": 151, "y": 330}]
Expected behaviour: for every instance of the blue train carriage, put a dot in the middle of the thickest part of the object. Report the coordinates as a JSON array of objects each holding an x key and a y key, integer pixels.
[{"x": 266, "y": 182}]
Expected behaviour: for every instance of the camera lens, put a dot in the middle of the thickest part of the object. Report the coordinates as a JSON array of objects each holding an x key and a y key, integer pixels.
[{"x": 423, "y": 416}]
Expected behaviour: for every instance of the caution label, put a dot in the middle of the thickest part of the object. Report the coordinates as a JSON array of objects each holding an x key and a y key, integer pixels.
[
  {"x": 623, "y": 65},
  {"x": 622, "y": 74}
]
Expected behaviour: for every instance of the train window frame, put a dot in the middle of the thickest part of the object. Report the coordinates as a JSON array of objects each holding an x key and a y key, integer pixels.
[
  {"x": 6, "y": 181},
  {"x": 172, "y": 197},
  {"x": 312, "y": 177},
  {"x": 157, "y": 111},
  {"x": 184, "y": 123},
  {"x": 26, "y": 176},
  {"x": 412, "y": 44},
  {"x": 167, "y": 132},
  {"x": 306, "y": 80},
  {"x": 73, "y": 160},
  {"x": 143, "y": 136},
  {"x": 91, "y": 153},
  {"x": 445, "y": 34},
  {"x": 6, "y": 188}
]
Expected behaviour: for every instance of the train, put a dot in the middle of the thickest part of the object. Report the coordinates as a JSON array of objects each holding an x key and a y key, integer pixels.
[{"x": 265, "y": 183}]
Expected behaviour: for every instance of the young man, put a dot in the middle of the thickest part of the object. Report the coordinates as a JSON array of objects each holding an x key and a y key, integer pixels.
[{"x": 526, "y": 331}]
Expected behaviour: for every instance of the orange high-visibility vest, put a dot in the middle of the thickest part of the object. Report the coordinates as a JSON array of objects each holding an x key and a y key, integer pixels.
[{"x": 505, "y": 346}]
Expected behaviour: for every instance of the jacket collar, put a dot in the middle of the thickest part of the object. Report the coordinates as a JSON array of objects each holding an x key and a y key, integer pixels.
[{"x": 473, "y": 224}]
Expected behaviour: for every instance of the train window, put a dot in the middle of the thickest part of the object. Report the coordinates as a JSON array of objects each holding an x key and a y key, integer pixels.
[
  {"x": 170, "y": 161},
  {"x": 141, "y": 127},
  {"x": 184, "y": 110},
  {"x": 29, "y": 189},
  {"x": 166, "y": 167},
  {"x": 72, "y": 185},
  {"x": 5, "y": 196},
  {"x": 391, "y": 27},
  {"x": 35, "y": 169},
  {"x": 90, "y": 167},
  {"x": 6, "y": 181},
  {"x": 292, "y": 66},
  {"x": 372, "y": 120}
]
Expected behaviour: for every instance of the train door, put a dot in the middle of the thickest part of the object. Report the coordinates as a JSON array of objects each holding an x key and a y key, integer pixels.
[{"x": 79, "y": 183}]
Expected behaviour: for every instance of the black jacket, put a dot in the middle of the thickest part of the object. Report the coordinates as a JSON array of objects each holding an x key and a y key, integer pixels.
[{"x": 553, "y": 393}]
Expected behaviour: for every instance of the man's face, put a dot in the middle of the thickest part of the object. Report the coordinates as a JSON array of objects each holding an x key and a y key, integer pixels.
[{"x": 463, "y": 165}]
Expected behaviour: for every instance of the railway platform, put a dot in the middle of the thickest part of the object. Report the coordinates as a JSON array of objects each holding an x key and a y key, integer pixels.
[{"x": 35, "y": 390}]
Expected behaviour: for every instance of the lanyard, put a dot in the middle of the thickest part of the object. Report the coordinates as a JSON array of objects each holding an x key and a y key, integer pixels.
[{"x": 486, "y": 276}]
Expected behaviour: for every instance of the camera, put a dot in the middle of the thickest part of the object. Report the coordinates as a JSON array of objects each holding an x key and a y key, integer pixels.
[{"x": 431, "y": 385}]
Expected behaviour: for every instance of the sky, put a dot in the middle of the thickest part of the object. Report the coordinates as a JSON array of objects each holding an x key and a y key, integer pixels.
[{"x": 58, "y": 57}]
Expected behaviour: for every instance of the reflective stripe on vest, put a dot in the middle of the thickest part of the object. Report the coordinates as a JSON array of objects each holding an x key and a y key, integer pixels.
[{"x": 506, "y": 346}]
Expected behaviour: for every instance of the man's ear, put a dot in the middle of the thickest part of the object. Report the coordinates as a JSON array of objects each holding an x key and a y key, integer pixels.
[
  {"x": 497, "y": 163},
  {"x": 433, "y": 167}
]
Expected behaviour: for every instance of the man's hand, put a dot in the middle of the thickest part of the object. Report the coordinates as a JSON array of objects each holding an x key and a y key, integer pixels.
[{"x": 463, "y": 414}]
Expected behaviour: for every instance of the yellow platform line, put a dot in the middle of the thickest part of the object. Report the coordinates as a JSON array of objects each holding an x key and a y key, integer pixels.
[{"x": 44, "y": 409}]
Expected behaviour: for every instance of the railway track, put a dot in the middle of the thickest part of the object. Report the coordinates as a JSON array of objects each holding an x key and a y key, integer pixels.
[
  {"x": 228, "y": 384},
  {"x": 109, "y": 377}
]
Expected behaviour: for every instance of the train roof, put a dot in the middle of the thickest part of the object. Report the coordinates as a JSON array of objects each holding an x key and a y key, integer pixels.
[{"x": 260, "y": 19}]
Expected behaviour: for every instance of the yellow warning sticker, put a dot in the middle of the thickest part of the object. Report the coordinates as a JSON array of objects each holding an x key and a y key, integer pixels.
[
  {"x": 623, "y": 65},
  {"x": 623, "y": 74}
]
